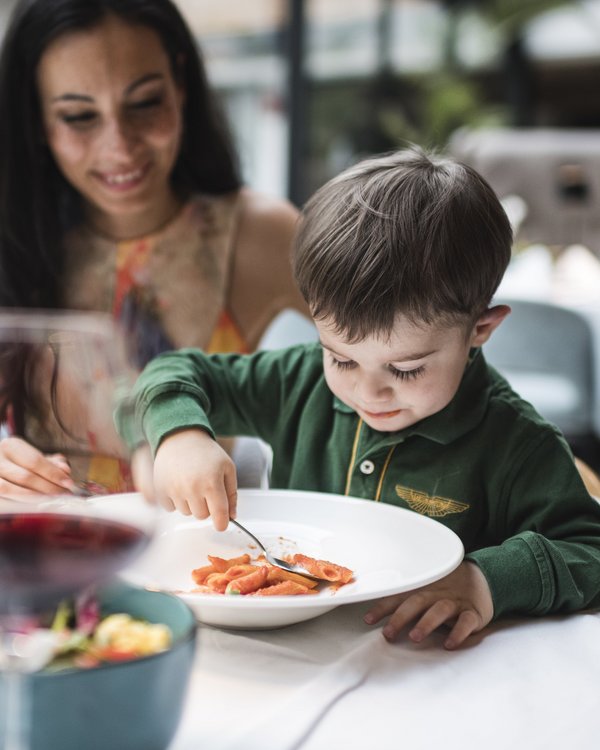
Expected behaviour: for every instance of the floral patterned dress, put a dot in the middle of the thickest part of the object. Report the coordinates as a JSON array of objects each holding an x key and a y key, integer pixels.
[{"x": 167, "y": 290}]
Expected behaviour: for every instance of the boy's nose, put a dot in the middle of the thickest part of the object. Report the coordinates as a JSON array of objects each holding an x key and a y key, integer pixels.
[{"x": 372, "y": 390}]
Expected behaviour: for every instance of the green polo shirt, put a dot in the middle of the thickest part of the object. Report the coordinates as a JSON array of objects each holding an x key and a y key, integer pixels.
[{"x": 487, "y": 465}]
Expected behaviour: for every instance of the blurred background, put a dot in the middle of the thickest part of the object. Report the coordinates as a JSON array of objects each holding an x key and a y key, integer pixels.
[{"x": 312, "y": 85}]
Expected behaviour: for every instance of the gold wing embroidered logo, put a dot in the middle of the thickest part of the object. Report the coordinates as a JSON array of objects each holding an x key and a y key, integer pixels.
[{"x": 435, "y": 506}]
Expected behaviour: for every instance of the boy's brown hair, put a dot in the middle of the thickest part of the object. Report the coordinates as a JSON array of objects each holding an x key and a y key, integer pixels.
[{"x": 409, "y": 232}]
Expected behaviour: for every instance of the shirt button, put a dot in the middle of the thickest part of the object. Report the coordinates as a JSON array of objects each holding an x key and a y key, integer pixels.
[{"x": 367, "y": 467}]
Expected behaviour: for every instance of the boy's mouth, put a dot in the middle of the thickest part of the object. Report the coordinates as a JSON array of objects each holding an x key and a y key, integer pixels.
[{"x": 381, "y": 414}]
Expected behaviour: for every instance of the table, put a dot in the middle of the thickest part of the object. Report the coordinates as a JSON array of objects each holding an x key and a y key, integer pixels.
[{"x": 334, "y": 682}]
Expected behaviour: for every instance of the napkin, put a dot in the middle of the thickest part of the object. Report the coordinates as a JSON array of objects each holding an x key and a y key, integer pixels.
[{"x": 288, "y": 725}]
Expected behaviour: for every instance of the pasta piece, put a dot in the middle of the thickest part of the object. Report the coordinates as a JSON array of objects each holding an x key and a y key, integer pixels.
[
  {"x": 220, "y": 565},
  {"x": 276, "y": 575},
  {"x": 324, "y": 569},
  {"x": 218, "y": 582},
  {"x": 199, "y": 575},
  {"x": 236, "y": 571},
  {"x": 284, "y": 588},
  {"x": 248, "y": 583}
]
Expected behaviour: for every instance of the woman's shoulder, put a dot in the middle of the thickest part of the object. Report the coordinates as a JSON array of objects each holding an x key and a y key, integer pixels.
[{"x": 265, "y": 221}]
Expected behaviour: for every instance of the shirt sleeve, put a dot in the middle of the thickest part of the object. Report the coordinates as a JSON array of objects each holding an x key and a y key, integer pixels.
[
  {"x": 224, "y": 394},
  {"x": 549, "y": 560}
]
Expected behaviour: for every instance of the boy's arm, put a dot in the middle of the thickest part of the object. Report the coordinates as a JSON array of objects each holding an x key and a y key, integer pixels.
[
  {"x": 183, "y": 399},
  {"x": 223, "y": 394},
  {"x": 549, "y": 560}
]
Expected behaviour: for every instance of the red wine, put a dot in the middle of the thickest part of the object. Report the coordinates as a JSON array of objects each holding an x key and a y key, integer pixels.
[{"x": 47, "y": 556}]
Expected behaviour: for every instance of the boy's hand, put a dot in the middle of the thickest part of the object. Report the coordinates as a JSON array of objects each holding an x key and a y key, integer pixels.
[
  {"x": 194, "y": 475},
  {"x": 23, "y": 470},
  {"x": 462, "y": 599}
]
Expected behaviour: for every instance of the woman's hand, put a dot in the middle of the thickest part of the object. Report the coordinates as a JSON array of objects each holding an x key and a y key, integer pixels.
[
  {"x": 192, "y": 474},
  {"x": 24, "y": 469},
  {"x": 462, "y": 599}
]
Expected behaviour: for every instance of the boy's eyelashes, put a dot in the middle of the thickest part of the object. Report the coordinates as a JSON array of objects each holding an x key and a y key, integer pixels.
[
  {"x": 407, "y": 374},
  {"x": 349, "y": 364}
]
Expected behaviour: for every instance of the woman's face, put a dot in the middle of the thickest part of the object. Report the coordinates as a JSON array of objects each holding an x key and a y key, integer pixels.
[{"x": 112, "y": 114}]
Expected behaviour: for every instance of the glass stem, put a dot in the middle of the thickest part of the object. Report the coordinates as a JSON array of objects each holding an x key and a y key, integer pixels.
[
  {"x": 17, "y": 696},
  {"x": 17, "y": 711}
]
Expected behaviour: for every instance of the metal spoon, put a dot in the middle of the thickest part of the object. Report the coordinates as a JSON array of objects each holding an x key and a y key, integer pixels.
[{"x": 276, "y": 561}]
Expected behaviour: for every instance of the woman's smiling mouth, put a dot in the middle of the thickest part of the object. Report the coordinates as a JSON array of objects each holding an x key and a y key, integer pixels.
[{"x": 123, "y": 180}]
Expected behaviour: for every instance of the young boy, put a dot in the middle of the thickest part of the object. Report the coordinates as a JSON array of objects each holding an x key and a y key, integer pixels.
[{"x": 398, "y": 259}]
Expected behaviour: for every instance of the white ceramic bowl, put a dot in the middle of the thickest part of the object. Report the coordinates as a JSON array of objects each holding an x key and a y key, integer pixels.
[{"x": 389, "y": 549}]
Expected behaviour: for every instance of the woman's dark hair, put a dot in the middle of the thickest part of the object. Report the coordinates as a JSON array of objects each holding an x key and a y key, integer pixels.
[
  {"x": 37, "y": 204},
  {"x": 410, "y": 233}
]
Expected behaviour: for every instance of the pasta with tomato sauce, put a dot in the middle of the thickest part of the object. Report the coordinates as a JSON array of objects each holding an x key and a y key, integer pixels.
[{"x": 242, "y": 576}]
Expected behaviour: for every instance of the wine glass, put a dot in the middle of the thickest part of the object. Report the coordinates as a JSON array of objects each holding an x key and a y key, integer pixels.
[{"x": 63, "y": 378}]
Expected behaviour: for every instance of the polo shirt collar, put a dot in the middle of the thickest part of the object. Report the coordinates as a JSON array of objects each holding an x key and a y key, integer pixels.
[{"x": 463, "y": 413}]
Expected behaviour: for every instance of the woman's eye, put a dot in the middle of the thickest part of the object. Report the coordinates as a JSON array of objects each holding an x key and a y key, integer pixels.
[
  {"x": 149, "y": 103},
  {"x": 407, "y": 374},
  {"x": 81, "y": 118}
]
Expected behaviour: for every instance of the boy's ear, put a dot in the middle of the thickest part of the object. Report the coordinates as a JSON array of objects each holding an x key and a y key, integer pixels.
[{"x": 487, "y": 323}]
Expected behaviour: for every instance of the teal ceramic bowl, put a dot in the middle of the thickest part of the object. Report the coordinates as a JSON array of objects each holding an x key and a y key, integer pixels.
[{"x": 134, "y": 705}]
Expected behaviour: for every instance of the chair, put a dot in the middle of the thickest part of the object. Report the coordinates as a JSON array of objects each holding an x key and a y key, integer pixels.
[
  {"x": 252, "y": 456},
  {"x": 546, "y": 353}
]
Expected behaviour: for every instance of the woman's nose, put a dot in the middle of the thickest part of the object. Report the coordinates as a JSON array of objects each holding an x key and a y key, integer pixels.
[{"x": 118, "y": 137}]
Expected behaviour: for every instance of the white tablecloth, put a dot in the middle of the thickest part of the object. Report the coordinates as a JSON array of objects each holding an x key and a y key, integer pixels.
[{"x": 334, "y": 682}]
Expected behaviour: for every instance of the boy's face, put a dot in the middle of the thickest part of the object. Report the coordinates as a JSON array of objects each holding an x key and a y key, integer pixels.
[{"x": 394, "y": 383}]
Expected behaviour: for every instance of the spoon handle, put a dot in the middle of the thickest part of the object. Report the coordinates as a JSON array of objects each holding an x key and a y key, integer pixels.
[{"x": 250, "y": 534}]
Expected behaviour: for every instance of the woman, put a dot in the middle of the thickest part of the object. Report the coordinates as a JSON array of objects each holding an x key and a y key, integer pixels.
[{"x": 120, "y": 192}]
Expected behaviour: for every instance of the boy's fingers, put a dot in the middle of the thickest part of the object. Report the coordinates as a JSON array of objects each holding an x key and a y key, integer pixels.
[
  {"x": 382, "y": 608},
  {"x": 468, "y": 622},
  {"x": 218, "y": 505},
  {"x": 408, "y": 611},
  {"x": 440, "y": 612},
  {"x": 142, "y": 470},
  {"x": 183, "y": 506},
  {"x": 198, "y": 507},
  {"x": 231, "y": 489},
  {"x": 165, "y": 502}
]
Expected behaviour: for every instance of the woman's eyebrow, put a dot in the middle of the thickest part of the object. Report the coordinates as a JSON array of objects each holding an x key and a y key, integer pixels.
[
  {"x": 73, "y": 97},
  {"x": 144, "y": 79}
]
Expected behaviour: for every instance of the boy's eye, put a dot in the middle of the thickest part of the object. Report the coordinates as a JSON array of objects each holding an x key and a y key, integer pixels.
[
  {"x": 407, "y": 374},
  {"x": 343, "y": 364}
]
